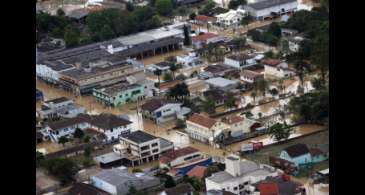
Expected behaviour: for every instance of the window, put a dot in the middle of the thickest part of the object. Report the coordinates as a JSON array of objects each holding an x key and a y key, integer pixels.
[
  {"x": 154, "y": 144},
  {"x": 235, "y": 188},
  {"x": 111, "y": 130},
  {"x": 155, "y": 150},
  {"x": 145, "y": 148}
]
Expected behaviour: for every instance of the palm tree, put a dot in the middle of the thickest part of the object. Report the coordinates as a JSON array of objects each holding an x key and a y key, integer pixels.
[
  {"x": 158, "y": 73},
  {"x": 173, "y": 68},
  {"x": 253, "y": 95}
]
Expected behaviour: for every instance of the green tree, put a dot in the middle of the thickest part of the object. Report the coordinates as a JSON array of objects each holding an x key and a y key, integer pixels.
[
  {"x": 209, "y": 106},
  {"x": 269, "y": 54},
  {"x": 280, "y": 131},
  {"x": 187, "y": 39},
  {"x": 62, "y": 168},
  {"x": 317, "y": 83},
  {"x": 60, "y": 12},
  {"x": 87, "y": 139},
  {"x": 320, "y": 55},
  {"x": 208, "y": 6},
  {"x": 173, "y": 69},
  {"x": 233, "y": 4},
  {"x": 273, "y": 91},
  {"x": 284, "y": 46},
  {"x": 262, "y": 85},
  {"x": 158, "y": 73},
  {"x": 170, "y": 182},
  {"x": 254, "y": 95},
  {"x": 106, "y": 33},
  {"x": 230, "y": 102},
  {"x": 275, "y": 29},
  {"x": 249, "y": 114},
  {"x": 129, "y": 6},
  {"x": 192, "y": 16},
  {"x": 87, "y": 151},
  {"x": 39, "y": 158},
  {"x": 239, "y": 43},
  {"x": 164, "y": 7},
  {"x": 72, "y": 38},
  {"x": 179, "y": 91},
  {"x": 195, "y": 183},
  {"x": 167, "y": 77},
  {"x": 79, "y": 134},
  {"x": 63, "y": 140}
]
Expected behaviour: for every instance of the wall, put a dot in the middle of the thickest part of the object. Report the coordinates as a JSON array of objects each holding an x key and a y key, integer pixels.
[
  {"x": 303, "y": 159},
  {"x": 98, "y": 183},
  {"x": 168, "y": 112},
  {"x": 67, "y": 131},
  {"x": 116, "y": 131},
  {"x": 180, "y": 160},
  {"x": 231, "y": 62}
]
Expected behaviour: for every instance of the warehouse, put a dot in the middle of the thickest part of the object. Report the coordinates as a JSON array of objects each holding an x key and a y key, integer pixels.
[{"x": 267, "y": 9}]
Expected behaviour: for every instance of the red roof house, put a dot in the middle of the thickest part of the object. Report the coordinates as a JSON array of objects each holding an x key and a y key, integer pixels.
[
  {"x": 269, "y": 189},
  {"x": 176, "y": 157},
  {"x": 197, "y": 171}
]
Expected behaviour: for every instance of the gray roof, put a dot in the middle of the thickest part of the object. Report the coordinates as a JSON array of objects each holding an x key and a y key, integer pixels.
[
  {"x": 165, "y": 143},
  {"x": 139, "y": 137},
  {"x": 220, "y": 82},
  {"x": 269, "y": 3},
  {"x": 108, "y": 157},
  {"x": 117, "y": 88},
  {"x": 108, "y": 121},
  {"x": 58, "y": 100}
]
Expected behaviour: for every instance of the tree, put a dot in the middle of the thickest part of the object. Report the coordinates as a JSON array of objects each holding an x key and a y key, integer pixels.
[
  {"x": 208, "y": 6},
  {"x": 209, "y": 106},
  {"x": 87, "y": 151},
  {"x": 269, "y": 54},
  {"x": 173, "y": 68},
  {"x": 106, "y": 33},
  {"x": 79, "y": 134},
  {"x": 230, "y": 102},
  {"x": 233, "y": 4},
  {"x": 192, "y": 16},
  {"x": 239, "y": 43},
  {"x": 39, "y": 158},
  {"x": 274, "y": 29},
  {"x": 273, "y": 91},
  {"x": 280, "y": 131},
  {"x": 179, "y": 91},
  {"x": 129, "y": 6},
  {"x": 253, "y": 95},
  {"x": 195, "y": 183},
  {"x": 262, "y": 85},
  {"x": 260, "y": 115},
  {"x": 62, "y": 168},
  {"x": 63, "y": 140},
  {"x": 72, "y": 38},
  {"x": 60, "y": 12},
  {"x": 158, "y": 73},
  {"x": 246, "y": 20},
  {"x": 317, "y": 83},
  {"x": 320, "y": 55},
  {"x": 187, "y": 39},
  {"x": 284, "y": 46},
  {"x": 164, "y": 7},
  {"x": 167, "y": 77},
  {"x": 170, "y": 182},
  {"x": 87, "y": 139},
  {"x": 248, "y": 114}
]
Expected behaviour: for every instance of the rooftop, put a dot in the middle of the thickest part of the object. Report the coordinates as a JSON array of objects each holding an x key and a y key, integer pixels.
[
  {"x": 180, "y": 189},
  {"x": 204, "y": 18},
  {"x": 251, "y": 74},
  {"x": 214, "y": 94},
  {"x": 139, "y": 137},
  {"x": 172, "y": 155},
  {"x": 197, "y": 171},
  {"x": 241, "y": 56},
  {"x": 220, "y": 82},
  {"x": 57, "y": 100},
  {"x": 297, "y": 150},
  {"x": 154, "y": 104},
  {"x": 217, "y": 68},
  {"x": 232, "y": 119},
  {"x": 108, "y": 121},
  {"x": 117, "y": 88},
  {"x": 81, "y": 118},
  {"x": 85, "y": 189},
  {"x": 202, "y": 120},
  {"x": 271, "y": 62},
  {"x": 108, "y": 157},
  {"x": 204, "y": 37},
  {"x": 269, "y": 3},
  {"x": 284, "y": 186}
]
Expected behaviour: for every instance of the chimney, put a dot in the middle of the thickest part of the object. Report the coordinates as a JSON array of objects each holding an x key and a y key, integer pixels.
[{"x": 233, "y": 165}]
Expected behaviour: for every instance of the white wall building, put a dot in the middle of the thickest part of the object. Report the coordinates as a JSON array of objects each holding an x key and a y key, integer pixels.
[
  {"x": 221, "y": 83},
  {"x": 60, "y": 107},
  {"x": 264, "y": 9},
  {"x": 231, "y": 18},
  {"x": 239, "y": 175},
  {"x": 160, "y": 110},
  {"x": 178, "y": 157},
  {"x": 50, "y": 72},
  {"x": 250, "y": 76},
  {"x": 277, "y": 68},
  {"x": 294, "y": 43},
  {"x": 240, "y": 61}
]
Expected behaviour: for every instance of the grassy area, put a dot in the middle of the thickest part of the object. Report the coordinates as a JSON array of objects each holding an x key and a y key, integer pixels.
[{"x": 262, "y": 156}]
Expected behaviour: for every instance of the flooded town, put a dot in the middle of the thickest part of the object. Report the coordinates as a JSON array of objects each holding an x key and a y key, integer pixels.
[{"x": 182, "y": 97}]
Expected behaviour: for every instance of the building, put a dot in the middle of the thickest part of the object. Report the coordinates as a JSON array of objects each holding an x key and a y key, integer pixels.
[
  {"x": 276, "y": 68},
  {"x": 240, "y": 61},
  {"x": 238, "y": 125},
  {"x": 250, "y": 76},
  {"x": 297, "y": 154},
  {"x": 119, "y": 94},
  {"x": 294, "y": 43},
  {"x": 164, "y": 67},
  {"x": 204, "y": 20},
  {"x": 160, "y": 110},
  {"x": 221, "y": 83},
  {"x": 196, "y": 86},
  {"x": 287, "y": 32},
  {"x": 218, "y": 70},
  {"x": 118, "y": 181},
  {"x": 215, "y": 95},
  {"x": 180, "y": 156},
  {"x": 108, "y": 124},
  {"x": 201, "y": 41},
  {"x": 281, "y": 184},
  {"x": 85, "y": 189},
  {"x": 239, "y": 175},
  {"x": 204, "y": 129},
  {"x": 139, "y": 147},
  {"x": 190, "y": 60},
  {"x": 181, "y": 189},
  {"x": 318, "y": 155},
  {"x": 149, "y": 86},
  {"x": 231, "y": 18},
  {"x": 262, "y": 10},
  {"x": 197, "y": 171},
  {"x": 60, "y": 107}
]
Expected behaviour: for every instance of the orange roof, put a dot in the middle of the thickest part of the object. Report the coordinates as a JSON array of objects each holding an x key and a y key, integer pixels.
[
  {"x": 197, "y": 171},
  {"x": 232, "y": 120},
  {"x": 271, "y": 62},
  {"x": 269, "y": 189},
  {"x": 172, "y": 155},
  {"x": 169, "y": 84},
  {"x": 204, "y": 37},
  {"x": 204, "y": 18},
  {"x": 202, "y": 120}
]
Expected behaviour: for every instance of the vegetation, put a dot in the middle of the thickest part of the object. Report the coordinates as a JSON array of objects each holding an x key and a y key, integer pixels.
[
  {"x": 167, "y": 77},
  {"x": 192, "y": 16},
  {"x": 239, "y": 43},
  {"x": 230, "y": 102},
  {"x": 133, "y": 191},
  {"x": 180, "y": 123},
  {"x": 170, "y": 182},
  {"x": 164, "y": 7},
  {"x": 158, "y": 73},
  {"x": 209, "y": 106},
  {"x": 270, "y": 37},
  {"x": 187, "y": 39},
  {"x": 63, "y": 140},
  {"x": 179, "y": 92},
  {"x": 195, "y": 183},
  {"x": 280, "y": 131},
  {"x": 208, "y": 6},
  {"x": 39, "y": 158},
  {"x": 79, "y": 134},
  {"x": 62, "y": 168}
]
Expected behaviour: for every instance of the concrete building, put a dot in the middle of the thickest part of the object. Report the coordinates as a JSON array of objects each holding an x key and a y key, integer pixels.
[
  {"x": 160, "y": 110},
  {"x": 140, "y": 78},
  {"x": 231, "y": 18},
  {"x": 204, "y": 129},
  {"x": 240, "y": 61},
  {"x": 294, "y": 43},
  {"x": 297, "y": 154},
  {"x": 196, "y": 86},
  {"x": 269, "y": 8},
  {"x": 201, "y": 41},
  {"x": 250, "y": 76},
  {"x": 221, "y": 83},
  {"x": 239, "y": 175},
  {"x": 277, "y": 68},
  {"x": 119, "y": 94},
  {"x": 181, "y": 189},
  {"x": 118, "y": 181},
  {"x": 180, "y": 156},
  {"x": 60, "y": 107}
]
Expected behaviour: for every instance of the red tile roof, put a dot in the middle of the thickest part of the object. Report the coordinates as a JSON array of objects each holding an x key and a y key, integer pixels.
[
  {"x": 271, "y": 62},
  {"x": 197, "y": 171},
  {"x": 202, "y": 120},
  {"x": 172, "y": 155},
  {"x": 269, "y": 189},
  {"x": 204, "y": 18},
  {"x": 232, "y": 120},
  {"x": 204, "y": 37},
  {"x": 316, "y": 151}
]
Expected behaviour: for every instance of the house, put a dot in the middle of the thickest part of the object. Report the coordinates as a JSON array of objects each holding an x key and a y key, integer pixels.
[
  {"x": 190, "y": 60},
  {"x": 118, "y": 181},
  {"x": 277, "y": 68},
  {"x": 78, "y": 14},
  {"x": 119, "y": 94},
  {"x": 139, "y": 147},
  {"x": 197, "y": 171},
  {"x": 221, "y": 83},
  {"x": 85, "y": 189},
  {"x": 281, "y": 184},
  {"x": 111, "y": 126},
  {"x": 149, "y": 86},
  {"x": 262, "y": 10},
  {"x": 60, "y": 107},
  {"x": 317, "y": 155},
  {"x": 164, "y": 67},
  {"x": 203, "y": 128},
  {"x": 166, "y": 86},
  {"x": 239, "y": 175},
  {"x": 181, "y": 189},
  {"x": 294, "y": 43},
  {"x": 287, "y": 32},
  {"x": 231, "y": 18},
  {"x": 201, "y": 41},
  {"x": 240, "y": 61},
  {"x": 216, "y": 95},
  {"x": 238, "y": 125},
  {"x": 219, "y": 192},
  {"x": 203, "y": 19},
  {"x": 161, "y": 110},
  {"x": 196, "y": 86},
  {"x": 218, "y": 70},
  {"x": 297, "y": 154},
  {"x": 250, "y": 76}
]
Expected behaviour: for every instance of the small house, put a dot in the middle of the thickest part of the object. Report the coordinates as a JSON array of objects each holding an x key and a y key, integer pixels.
[
  {"x": 297, "y": 154},
  {"x": 202, "y": 40},
  {"x": 318, "y": 155},
  {"x": 277, "y": 68},
  {"x": 161, "y": 110},
  {"x": 251, "y": 76},
  {"x": 231, "y": 18},
  {"x": 240, "y": 61},
  {"x": 221, "y": 83}
]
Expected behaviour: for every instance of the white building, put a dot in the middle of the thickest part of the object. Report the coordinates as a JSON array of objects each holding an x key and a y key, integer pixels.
[
  {"x": 294, "y": 43},
  {"x": 239, "y": 175},
  {"x": 250, "y": 76},
  {"x": 108, "y": 124},
  {"x": 50, "y": 72},
  {"x": 160, "y": 110},
  {"x": 231, "y": 18},
  {"x": 203, "y": 128},
  {"x": 221, "y": 83},
  {"x": 204, "y": 39},
  {"x": 60, "y": 107},
  {"x": 140, "y": 78},
  {"x": 265, "y": 9},
  {"x": 240, "y": 61},
  {"x": 180, "y": 156},
  {"x": 277, "y": 68}
]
